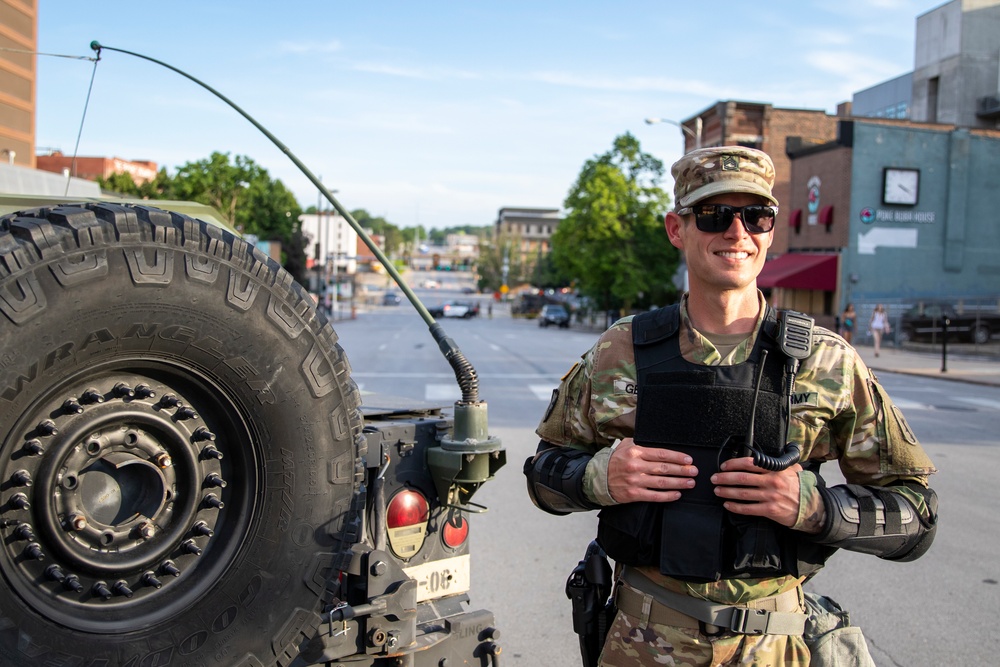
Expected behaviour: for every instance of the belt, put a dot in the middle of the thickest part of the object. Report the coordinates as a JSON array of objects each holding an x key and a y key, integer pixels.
[{"x": 774, "y": 615}]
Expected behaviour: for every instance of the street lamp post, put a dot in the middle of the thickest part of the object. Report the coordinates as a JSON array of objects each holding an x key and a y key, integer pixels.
[{"x": 694, "y": 134}]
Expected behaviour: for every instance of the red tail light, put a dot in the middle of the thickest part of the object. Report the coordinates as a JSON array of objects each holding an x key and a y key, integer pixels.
[
  {"x": 406, "y": 522},
  {"x": 455, "y": 531}
]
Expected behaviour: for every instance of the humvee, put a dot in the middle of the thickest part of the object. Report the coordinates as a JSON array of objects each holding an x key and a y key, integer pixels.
[{"x": 188, "y": 476}]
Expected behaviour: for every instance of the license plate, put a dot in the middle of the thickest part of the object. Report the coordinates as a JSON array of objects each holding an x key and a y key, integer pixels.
[{"x": 439, "y": 578}]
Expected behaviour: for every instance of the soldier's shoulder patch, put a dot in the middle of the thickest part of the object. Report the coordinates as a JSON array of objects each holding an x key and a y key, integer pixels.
[{"x": 552, "y": 404}]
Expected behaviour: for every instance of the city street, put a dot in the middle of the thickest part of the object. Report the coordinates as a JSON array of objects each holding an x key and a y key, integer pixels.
[{"x": 937, "y": 610}]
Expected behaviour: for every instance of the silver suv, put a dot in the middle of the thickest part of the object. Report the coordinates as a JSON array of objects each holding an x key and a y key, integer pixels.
[{"x": 553, "y": 314}]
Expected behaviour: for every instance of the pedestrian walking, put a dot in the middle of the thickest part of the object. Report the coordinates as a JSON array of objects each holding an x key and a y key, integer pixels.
[
  {"x": 879, "y": 326},
  {"x": 847, "y": 321}
]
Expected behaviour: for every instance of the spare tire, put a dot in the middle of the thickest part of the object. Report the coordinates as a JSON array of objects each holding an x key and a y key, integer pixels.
[{"x": 180, "y": 444}]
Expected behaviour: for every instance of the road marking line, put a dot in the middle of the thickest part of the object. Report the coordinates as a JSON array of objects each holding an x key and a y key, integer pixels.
[
  {"x": 983, "y": 402},
  {"x": 442, "y": 392},
  {"x": 904, "y": 404},
  {"x": 542, "y": 392}
]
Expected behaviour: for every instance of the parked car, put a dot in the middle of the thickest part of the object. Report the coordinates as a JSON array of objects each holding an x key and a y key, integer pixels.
[
  {"x": 451, "y": 309},
  {"x": 390, "y": 299},
  {"x": 473, "y": 307},
  {"x": 553, "y": 314},
  {"x": 925, "y": 322}
]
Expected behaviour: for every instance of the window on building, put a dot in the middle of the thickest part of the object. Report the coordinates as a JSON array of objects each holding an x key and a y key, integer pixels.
[
  {"x": 902, "y": 110},
  {"x": 890, "y": 112}
]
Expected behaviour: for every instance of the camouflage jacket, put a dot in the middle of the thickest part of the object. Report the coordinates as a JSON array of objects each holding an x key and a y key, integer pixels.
[{"x": 839, "y": 413}]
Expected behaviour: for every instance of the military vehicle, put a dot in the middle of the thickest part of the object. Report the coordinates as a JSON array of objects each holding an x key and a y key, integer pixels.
[{"x": 188, "y": 475}]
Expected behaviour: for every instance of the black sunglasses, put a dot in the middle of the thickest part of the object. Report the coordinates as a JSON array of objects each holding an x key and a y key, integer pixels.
[{"x": 715, "y": 218}]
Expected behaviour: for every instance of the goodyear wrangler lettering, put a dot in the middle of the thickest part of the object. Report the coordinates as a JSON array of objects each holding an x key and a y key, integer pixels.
[{"x": 105, "y": 337}]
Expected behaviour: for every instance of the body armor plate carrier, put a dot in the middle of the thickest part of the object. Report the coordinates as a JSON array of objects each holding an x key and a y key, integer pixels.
[{"x": 706, "y": 412}]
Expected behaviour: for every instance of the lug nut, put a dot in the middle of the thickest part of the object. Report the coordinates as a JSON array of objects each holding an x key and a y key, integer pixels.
[
  {"x": 201, "y": 528},
  {"x": 185, "y": 412},
  {"x": 71, "y": 405},
  {"x": 23, "y": 532},
  {"x": 214, "y": 480},
  {"x": 169, "y": 401},
  {"x": 92, "y": 396},
  {"x": 212, "y": 500},
  {"x": 201, "y": 433},
  {"x": 33, "y": 447},
  {"x": 146, "y": 530},
  {"x": 188, "y": 546},
  {"x": 34, "y": 551},
  {"x": 144, "y": 391},
  {"x": 149, "y": 579},
  {"x": 76, "y": 522},
  {"x": 169, "y": 568},
  {"x": 72, "y": 583},
  {"x": 21, "y": 478},
  {"x": 101, "y": 589},
  {"x": 121, "y": 588},
  {"x": 122, "y": 390},
  {"x": 55, "y": 573},
  {"x": 163, "y": 460},
  {"x": 20, "y": 501},
  {"x": 47, "y": 427},
  {"x": 211, "y": 452}
]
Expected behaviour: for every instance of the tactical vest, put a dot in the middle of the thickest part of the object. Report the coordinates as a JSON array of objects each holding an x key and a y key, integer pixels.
[{"x": 705, "y": 412}]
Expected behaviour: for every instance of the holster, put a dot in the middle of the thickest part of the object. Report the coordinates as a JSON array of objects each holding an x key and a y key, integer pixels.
[{"x": 589, "y": 588}]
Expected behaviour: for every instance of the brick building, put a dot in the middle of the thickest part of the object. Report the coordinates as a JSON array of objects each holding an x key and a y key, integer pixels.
[
  {"x": 19, "y": 34},
  {"x": 767, "y": 128},
  {"x": 92, "y": 168},
  {"x": 533, "y": 227}
]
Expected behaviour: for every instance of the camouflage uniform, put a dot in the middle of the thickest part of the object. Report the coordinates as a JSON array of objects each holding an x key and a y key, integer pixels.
[{"x": 839, "y": 413}]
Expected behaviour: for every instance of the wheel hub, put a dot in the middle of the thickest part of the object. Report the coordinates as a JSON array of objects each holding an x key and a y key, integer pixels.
[{"x": 112, "y": 498}]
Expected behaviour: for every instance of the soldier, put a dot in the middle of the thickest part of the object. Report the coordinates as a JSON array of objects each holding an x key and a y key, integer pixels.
[{"x": 698, "y": 430}]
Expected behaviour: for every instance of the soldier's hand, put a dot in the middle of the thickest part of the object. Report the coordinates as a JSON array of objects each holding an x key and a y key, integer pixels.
[
  {"x": 757, "y": 492},
  {"x": 654, "y": 474}
]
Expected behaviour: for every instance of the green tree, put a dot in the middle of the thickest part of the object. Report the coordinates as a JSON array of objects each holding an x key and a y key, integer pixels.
[
  {"x": 122, "y": 183},
  {"x": 612, "y": 239},
  {"x": 491, "y": 261},
  {"x": 545, "y": 274}
]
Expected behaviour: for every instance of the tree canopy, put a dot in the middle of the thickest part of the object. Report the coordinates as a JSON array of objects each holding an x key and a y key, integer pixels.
[{"x": 612, "y": 239}]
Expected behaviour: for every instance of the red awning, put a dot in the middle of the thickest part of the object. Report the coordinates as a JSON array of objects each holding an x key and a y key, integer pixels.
[{"x": 800, "y": 271}]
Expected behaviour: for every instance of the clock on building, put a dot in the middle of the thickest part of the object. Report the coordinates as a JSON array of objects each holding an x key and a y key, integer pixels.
[{"x": 900, "y": 186}]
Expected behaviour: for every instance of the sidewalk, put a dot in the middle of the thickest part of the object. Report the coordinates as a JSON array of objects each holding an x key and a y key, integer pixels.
[{"x": 959, "y": 367}]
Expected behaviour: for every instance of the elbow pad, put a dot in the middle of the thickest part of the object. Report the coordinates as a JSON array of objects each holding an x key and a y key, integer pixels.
[
  {"x": 555, "y": 479},
  {"x": 874, "y": 520}
]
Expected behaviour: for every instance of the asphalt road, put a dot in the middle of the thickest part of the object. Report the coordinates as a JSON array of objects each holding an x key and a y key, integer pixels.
[{"x": 937, "y": 610}]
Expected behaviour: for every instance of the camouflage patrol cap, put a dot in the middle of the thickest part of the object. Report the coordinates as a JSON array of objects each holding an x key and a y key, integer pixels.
[{"x": 705, "y": 172}]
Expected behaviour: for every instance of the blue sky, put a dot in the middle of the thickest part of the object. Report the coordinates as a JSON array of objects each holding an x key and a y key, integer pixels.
[{"x": 440, "y": 113}]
